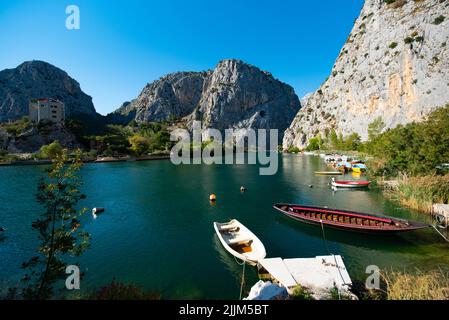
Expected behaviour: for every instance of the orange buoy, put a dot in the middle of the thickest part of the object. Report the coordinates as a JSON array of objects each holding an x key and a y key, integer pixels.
[{"x": 212, "y": 197}]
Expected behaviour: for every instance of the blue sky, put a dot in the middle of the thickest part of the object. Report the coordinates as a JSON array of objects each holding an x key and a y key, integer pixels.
[{"x": 122, "y": 45}]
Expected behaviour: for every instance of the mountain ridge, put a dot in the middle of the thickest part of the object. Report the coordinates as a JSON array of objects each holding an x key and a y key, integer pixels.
[
  {"x": 232, "y": 95},
  {"x": 40, "y": 79}
]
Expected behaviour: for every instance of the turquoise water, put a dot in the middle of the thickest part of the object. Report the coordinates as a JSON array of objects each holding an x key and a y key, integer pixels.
[{"x": 157, "y": 229}]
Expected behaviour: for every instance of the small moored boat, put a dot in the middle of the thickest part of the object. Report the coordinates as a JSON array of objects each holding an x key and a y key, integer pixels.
[
  {"x": 358, "y": 167},
  {"x": 348, "y": 220},
  {"x": 240, "y": 241},
  {"x": 350, "y": 184},
  {"x": 328, "y": 173}
]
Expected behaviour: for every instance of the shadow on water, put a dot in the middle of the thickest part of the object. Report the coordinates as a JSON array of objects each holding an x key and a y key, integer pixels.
[{"x": 234, "y": 267}]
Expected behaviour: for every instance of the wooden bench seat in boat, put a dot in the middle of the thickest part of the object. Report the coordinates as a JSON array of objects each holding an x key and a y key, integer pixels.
[{"x": 238, "y": 241}]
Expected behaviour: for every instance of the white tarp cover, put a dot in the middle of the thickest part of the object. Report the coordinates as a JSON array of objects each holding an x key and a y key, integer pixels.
[{"x": 266, "y": 291}]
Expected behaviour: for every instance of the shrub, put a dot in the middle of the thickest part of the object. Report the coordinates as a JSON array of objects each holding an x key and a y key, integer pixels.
[
  {"x": 293, "y": 149},
  {"x": 438, "y": 20},
  {"x": 315, "y": 143},
  {"x": 120, "y": 291},
  {"x": 393, "y": 45},
  {"x": 416, "y": 148},
  {"x": 408, "y": 40},
  {"x": 301, "y": 293},
  {"x": 139, "y": 144},
  {"x": 50, "y": 151},
  {"x": 419, "y": 39}
]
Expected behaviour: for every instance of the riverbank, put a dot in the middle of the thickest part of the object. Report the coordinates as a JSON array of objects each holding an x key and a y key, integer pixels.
[{"x": 31, "y": 162}]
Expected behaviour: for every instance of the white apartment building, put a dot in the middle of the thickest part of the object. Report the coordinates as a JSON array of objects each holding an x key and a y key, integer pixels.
[{"x": 47, "y": 109}]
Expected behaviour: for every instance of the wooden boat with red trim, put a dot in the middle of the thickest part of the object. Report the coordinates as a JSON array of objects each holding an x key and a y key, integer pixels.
[
  {"x": 350, "y": 184},
  {"x": 348, "y": 220}
]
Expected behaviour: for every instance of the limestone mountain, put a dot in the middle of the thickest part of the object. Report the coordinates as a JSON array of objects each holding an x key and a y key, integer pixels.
[
  {"x": 39, "y": 79},
  {"x": 233, "y": 95},
  {"x": 394, "y": 65}
]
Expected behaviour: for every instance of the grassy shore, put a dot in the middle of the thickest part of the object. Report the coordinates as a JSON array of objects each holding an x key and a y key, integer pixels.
[
  {"x": 432, "y": 285},
  {"x": 420, "y": 193}
]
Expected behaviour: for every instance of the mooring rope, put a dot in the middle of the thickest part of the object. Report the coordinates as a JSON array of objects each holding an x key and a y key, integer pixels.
[
  {"x": 442, "y": 235},
  {"x": 243, "y": 281},
  {"x": 333, "y": 255}
]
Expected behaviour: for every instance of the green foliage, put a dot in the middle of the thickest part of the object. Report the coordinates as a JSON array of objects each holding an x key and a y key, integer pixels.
[
  {"x": 315, "y": 143},
  {"x": 408, "y": 40},
  {"x": 421, "y": 192},
  {"x": 58, "y": 228},
  {"x": 139, "y": 144},
  {"x": 135, "y": 138},
  {"x": 114, "y": 142},
  {"x": 293, "y": 149},
  {"x": 352, "y": 142},
  {"x": 301, "y": 293},
  {"x": 375, "y": 128},
  {"x": 338, "y": 142},
  {"x": 416, "y": 148},
  {"x": 393, "y": 45},
  {"x": 335, "y": 294},
  {"x": 51, "y": 151},
  {"x": 419, "y": 39},
  {"x": 438, "y": 20},
  {"x": 17, "y": 127},
  {"x": 120, "y": 291}
]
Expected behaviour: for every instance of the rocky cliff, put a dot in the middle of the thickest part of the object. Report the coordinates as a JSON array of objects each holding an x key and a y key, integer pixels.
[
  {"x": 233, "y": 95},
  {"x": 38, "y": 79},
  {"x": 394, "y": 65}
]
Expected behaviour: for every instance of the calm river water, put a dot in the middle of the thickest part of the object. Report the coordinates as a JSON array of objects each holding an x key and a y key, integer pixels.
[{"x": 157, "y": 229}]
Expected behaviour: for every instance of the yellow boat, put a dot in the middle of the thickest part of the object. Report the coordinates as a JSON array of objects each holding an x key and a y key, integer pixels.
[
  {"x": 356, "y": 170},
  {"x": 329, "y": 173}
]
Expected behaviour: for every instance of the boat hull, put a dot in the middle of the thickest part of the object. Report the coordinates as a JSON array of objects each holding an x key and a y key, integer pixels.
[
  {"x": 351, "y": 184},
  {"x": 256, "y": 245},
  {"x": 363, "y": 223}
]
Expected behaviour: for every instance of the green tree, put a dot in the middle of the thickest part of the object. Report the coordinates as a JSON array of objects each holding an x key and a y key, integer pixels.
[
  {"x": 51, "y": 151},
  {"x": 315, "y": 143},
  {"x": 375, "y": 128},
  {"x": 139, "y": 144},
  {"x": 59, "y": 227},
  {"x": 416, "y": 148},
  {"x": 352, "y": 142},
  {"x": 333, "y": 139}
]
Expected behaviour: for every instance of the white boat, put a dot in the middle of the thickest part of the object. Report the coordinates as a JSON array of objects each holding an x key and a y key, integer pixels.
[{"x": 240, "y": 241}]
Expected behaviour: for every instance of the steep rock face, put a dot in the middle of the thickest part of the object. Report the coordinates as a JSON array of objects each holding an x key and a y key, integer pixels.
[
  {"x": 233, "y": 95},
  {"x": 38, "y": 79},
  {"x": 174, "y": 95},
  {"x": 393, "y": 65}
]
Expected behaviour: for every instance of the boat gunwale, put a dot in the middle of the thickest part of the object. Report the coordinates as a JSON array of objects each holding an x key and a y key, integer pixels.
[
  {"x": 412, "y": 225},
  {"x": 228, "y": 247}
]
